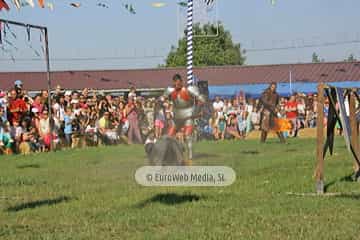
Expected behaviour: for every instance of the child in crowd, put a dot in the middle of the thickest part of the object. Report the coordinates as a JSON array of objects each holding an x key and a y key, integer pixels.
[
  {"x": 241, "y": 123},
  {"x": 221, "y": 124},
  {"x": 214, "y": 125},
  {"x": 6, "y": 142},
  {"x": 91, "y": 133},
  {"x": 159, "y": 119},
  {"x": 15, "y": 132},
  {"x": 68, "y": 127}
]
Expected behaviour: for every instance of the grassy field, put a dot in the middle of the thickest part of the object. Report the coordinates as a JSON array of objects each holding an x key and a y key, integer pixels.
[{"x": 91, "y": 194}]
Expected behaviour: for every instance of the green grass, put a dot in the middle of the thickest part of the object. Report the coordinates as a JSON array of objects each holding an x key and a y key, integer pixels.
[{"x": 91, "y": 194}]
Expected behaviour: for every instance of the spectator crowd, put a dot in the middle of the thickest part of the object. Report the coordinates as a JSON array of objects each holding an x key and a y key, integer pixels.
[
  {"x": 90, "y": 118},
  {"x": 237, "y": 117}
]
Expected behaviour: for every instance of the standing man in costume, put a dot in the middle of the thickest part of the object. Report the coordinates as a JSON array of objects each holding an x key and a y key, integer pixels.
[
  {"x": 183, "y": 98},
  {"x": 268, "y": 104}
]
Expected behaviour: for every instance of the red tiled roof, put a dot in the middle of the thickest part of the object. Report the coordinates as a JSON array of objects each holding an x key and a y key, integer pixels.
[{"x": 161, "y": 77}]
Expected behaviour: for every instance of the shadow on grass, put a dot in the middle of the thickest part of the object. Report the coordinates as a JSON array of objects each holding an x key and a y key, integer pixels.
[
  {"x": 347, "y": 178},
  {"x": 341, "y": 147},
  {"x": 251, "y": 152},
  {"x": 39, "y": 203},
  {"x": 170, "y": 199},
  {"x": 205, "y": 155},
  {"x": 94, "y": 162},
  {"x": 350, "y": 196},
  {"x": 28, "y": 166}
]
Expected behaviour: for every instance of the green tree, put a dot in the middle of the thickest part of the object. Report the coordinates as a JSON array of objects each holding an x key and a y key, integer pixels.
[
  {"x": 208, "y": 51},
  {"x": 316, "y": 58},
  {"x": 351, "y": 58}
]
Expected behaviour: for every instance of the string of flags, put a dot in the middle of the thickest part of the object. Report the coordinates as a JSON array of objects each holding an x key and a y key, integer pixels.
[
  {"x": 6, "y": 42},
  {"x": 127, "y": 6},
  {"x": 4, "y": 5},
  {"x": 8, "y": 37}
]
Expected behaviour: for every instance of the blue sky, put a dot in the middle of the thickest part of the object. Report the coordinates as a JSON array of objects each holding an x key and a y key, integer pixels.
[{"x": 94, "y": 32}]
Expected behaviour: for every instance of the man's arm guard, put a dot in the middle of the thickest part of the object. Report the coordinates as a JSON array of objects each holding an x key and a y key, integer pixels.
[
  {"x": 168, "y": 91},
  {"x": 194, "y": 91}
]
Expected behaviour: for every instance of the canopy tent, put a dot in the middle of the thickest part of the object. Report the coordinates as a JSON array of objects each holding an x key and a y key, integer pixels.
[{"x": 284, "y": 89}]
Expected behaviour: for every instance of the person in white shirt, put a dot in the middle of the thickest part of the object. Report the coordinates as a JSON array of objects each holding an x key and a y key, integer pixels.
[
  {"x": 132, "y": 93},
  {"x": 249, "y": 109},
  {"x": 218, "y": 104}
]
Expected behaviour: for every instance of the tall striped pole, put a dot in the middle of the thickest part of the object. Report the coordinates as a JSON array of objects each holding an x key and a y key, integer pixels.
[{"x": 189, "y": 35}]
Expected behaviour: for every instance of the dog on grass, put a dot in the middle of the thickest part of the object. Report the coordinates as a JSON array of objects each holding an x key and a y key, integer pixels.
[{"x": 165, "y": 151}]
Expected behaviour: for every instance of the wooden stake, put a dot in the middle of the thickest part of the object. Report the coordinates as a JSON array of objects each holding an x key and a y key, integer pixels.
[
  {"x": 354, "y": 128},
  {"x": 319, "y": 172}
]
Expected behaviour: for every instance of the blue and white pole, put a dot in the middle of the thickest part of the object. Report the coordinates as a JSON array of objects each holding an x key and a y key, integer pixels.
[{"x": 189, "y": 35}]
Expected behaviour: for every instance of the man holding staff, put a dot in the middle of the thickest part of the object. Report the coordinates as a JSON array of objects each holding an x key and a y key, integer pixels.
[{"x": 268, "y": 105}]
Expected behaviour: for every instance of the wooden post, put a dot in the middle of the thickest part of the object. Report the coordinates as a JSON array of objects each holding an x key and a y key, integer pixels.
[
  {"x": 354, "y": 128},
  {"x": 319, "y": 172}
]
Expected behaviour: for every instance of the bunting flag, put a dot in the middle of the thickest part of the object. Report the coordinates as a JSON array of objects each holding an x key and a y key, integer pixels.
[
  {"x": 158, "y": 4},
  {"x": 41, "y": 3},
  {"x": 3, "y": 4},
  {"x": 31, "y": 3},
  {"x": 102, "y": 5},
  {"x": 182, "y": 4},
  {"x": 50, "y": 6},
  {"x": 76, "y": 5},
  {"x": 130, "y": 8},
  {"x": 24, "y": 4},
  {"x": 17, "y": 4}
]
